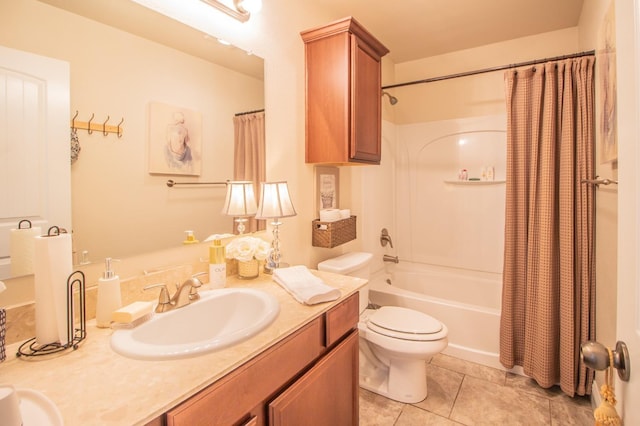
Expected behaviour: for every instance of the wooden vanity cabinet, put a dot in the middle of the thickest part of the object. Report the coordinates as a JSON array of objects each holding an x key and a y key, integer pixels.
[
  {"x": 343, "y": 94},
  {"x": 310, "y": 375}
]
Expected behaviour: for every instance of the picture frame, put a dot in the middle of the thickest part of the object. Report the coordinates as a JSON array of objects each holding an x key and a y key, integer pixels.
[
  {"x": 606, "y": 89},
  {"x": 174, "y": 140},
  {"x": 327, "y": 187}
]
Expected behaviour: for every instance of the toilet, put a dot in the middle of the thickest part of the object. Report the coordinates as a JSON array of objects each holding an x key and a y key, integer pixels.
[{"x": 395, "y": 342}]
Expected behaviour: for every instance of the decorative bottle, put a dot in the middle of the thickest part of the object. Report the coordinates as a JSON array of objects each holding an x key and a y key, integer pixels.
[
  {"x": 217, "y": 265},
  {"x": 109, "y": 296}
]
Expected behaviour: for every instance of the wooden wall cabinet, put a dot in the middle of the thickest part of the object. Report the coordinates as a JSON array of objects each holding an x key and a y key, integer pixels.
[
  {"x": 310, "y": 377},
  {"x": 343, "y": 94}
]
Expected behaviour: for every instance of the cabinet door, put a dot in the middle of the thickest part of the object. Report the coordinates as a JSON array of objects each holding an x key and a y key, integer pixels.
[
  {"x": 326, "y": 395},
  {"x": 366, "y": 106}
]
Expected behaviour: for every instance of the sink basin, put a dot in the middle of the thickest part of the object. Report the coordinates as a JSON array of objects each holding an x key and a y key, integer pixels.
[{"x": 220, "y": 318}]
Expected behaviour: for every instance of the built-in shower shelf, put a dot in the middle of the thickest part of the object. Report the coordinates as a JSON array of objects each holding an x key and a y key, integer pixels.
[{"x": 474, "y": 182}]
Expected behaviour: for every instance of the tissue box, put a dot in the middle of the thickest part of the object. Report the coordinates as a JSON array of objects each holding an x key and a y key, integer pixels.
[{"x": 332, "y": 234}]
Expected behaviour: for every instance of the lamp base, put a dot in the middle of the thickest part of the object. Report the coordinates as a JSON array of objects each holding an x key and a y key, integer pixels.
[{"x": 268, "y": 269}]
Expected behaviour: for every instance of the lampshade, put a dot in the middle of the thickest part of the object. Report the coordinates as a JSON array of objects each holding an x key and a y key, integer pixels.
[
  {"x": 275, "y": 201},
  {"x": 240, "y": 200}
]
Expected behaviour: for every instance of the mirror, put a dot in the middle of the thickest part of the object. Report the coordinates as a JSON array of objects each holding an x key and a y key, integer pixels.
[{"x": 120, "y": 205}]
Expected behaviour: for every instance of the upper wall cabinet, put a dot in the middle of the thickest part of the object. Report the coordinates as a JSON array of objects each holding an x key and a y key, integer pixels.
[{"x": 343, "y": 94}]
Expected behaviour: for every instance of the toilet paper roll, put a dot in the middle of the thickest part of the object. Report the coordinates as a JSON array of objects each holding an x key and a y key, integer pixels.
[
  {"x": 345, "y": 213},
  {"x": 52, "y": 267},
  {"x": 21, "y": 250},
  {"x": 329, "y": 215}
]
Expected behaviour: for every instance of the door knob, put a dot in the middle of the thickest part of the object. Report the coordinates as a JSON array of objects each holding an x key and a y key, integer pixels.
[{"x": 596, "y": 356}]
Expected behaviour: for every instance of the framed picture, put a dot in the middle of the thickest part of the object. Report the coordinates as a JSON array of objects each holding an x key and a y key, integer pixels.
[
  {"x": 175, "y": 140},
  {"x": 606, "y": 89},
  {"x": 327, "y": 187}
]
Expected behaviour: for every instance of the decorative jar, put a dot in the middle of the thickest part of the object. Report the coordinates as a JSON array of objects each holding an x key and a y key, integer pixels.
[{"x": 248, "y": 269}]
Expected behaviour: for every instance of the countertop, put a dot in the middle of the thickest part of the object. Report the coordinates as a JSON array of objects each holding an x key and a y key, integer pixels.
[{"x": 94, "y": 385}]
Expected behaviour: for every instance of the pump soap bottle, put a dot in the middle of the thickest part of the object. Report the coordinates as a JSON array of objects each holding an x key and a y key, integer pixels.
[
  {"x": 109, "y": 297},
  {"x": 217, "y": 265}
]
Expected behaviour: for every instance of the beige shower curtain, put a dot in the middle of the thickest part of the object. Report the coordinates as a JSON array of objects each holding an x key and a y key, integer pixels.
[
  {"x": 249, "y": 156},
  {"x": 548, "y": 300}
]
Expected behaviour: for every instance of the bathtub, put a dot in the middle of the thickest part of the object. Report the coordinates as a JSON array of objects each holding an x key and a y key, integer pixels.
[{"x": 467, "y": 302}]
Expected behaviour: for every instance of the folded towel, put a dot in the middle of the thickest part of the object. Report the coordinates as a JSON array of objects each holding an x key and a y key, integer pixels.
[{"x": 304, "y": 286}]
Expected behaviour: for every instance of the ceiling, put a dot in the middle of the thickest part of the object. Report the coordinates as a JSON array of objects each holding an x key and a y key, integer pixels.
[
  {"x": 136, "y": 19},
  {"x": 414, "y": 29},
  {"x": 411, "y": 29}
]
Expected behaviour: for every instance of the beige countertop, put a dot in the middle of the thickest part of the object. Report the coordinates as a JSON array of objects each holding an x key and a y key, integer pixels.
[{"x": 94, "y": 385}]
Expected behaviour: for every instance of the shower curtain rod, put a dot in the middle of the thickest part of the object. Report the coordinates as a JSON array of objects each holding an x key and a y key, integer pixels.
[
  {"x": 249, "y": 112},
  {"x": 485, "y": 70}
]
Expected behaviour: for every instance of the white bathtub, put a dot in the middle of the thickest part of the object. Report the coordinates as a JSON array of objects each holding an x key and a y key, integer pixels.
[{"x": 467, "y": 302}]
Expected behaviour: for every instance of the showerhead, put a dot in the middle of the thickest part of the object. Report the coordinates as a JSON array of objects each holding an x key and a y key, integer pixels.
[{"x": 392, "y": 99}]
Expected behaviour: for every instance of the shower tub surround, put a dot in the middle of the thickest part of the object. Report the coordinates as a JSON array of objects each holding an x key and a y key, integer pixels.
[
  {"x": 467, "y": 302},
  {"x": 449, "y": 234}
]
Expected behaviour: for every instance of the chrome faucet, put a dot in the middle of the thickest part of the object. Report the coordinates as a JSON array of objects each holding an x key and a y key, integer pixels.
[
  {"x": 186, "y": 293},
  {"x": 387, "y": 258},
  {"x": 385, "y": 238}
]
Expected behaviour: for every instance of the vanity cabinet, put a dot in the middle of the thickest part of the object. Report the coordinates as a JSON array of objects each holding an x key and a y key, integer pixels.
[
  {"x": 343, "y": 94},
  {"x": 310, "y": 377}
]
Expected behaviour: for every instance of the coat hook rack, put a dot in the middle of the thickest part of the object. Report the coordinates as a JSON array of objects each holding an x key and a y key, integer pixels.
[{"x": 90, "y": 126}]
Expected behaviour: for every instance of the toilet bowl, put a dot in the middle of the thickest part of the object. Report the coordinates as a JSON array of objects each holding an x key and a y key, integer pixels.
[{"x": 395, "y": 342}]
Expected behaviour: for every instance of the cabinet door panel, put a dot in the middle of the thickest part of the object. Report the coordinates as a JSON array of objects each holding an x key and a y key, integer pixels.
[
  {"x": 326, "y": 395},
  {"x": 327, "y": 113},
  {"x": 366, "y": 107}
]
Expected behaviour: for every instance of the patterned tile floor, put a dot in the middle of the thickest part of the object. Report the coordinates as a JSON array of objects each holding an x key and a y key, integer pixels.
[{"x": 464, "y": 393}]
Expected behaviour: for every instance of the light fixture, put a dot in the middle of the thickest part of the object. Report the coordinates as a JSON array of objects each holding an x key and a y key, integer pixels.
[
  {"x": 240, "y": 202},
  {"x": 243, "y": 8},
  {"x": 275, "y": 203}
]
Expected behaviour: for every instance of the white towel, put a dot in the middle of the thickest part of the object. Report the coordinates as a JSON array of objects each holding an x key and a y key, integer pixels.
[{"x": 304, "y": 286}]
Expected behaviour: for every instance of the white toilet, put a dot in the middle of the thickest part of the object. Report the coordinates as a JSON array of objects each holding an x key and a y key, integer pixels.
[{"x": 395, "y": 342}]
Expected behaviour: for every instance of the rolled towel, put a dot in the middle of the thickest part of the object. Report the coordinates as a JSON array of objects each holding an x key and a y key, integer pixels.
[
  {"x": 304, "y": 286},
  {"x": 329, "y": 215}
]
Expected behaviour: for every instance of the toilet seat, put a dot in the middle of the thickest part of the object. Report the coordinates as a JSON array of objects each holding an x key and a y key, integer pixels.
[{"x": 404, "y": 323}]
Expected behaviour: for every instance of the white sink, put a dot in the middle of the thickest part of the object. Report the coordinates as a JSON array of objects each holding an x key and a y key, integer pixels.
[{"x": 219, "y": 319}]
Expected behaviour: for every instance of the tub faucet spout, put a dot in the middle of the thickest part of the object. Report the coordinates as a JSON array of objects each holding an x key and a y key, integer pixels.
[{"x": 387, "y": 258}]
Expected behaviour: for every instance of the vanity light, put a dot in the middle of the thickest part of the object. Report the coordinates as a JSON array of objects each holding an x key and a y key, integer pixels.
[
  {"x": 240, "y": 202},
  {"x": 243, "y": 8},
  {"x": 275, "y": 203}
]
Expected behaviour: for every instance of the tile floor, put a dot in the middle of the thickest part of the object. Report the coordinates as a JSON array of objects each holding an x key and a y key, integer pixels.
[{"x": 465, "y": 393}]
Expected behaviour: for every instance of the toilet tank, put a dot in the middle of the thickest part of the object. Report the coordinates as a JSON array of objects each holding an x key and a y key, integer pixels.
[{"x": 357, "y": 264}]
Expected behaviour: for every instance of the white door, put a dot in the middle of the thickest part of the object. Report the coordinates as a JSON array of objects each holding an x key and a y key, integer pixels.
[
  {"x": 628, "y": 309},
  {"x": 35, "y": 179}
]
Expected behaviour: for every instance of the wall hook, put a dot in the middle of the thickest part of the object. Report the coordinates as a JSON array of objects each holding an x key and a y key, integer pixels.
[
  {"x": 104, "y": 126},
  {"x": 89, "y": 124},
  {"x": 73, "y": 122},
  {"x": 119, "y": 129}
]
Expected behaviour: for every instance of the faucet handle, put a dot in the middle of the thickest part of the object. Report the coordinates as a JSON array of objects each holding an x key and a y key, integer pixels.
[
  {"x": 195, "y": 285},
  {"x": 164, "y": 300}
]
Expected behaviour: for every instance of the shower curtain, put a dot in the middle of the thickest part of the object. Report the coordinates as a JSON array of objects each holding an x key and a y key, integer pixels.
[
  {"x": 548, "y": 300},
  {"x": 249, "y": 156}
]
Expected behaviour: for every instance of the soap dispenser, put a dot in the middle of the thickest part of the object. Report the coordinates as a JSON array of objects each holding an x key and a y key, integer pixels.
[
  {"x": 217, "y": 265},
  {"x": 109, "y": 297}
]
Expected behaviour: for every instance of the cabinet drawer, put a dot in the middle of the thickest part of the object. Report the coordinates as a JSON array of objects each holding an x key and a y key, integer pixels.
[
  {"x": 342, "y": 319},
  {"x": 231, "y": 399}
]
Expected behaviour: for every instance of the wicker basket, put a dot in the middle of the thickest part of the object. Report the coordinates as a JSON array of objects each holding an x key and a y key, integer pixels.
[{"x": 332, "y": 234}]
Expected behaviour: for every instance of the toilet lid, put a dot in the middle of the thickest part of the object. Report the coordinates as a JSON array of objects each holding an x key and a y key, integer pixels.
[{"x": 404, "y": 323}]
